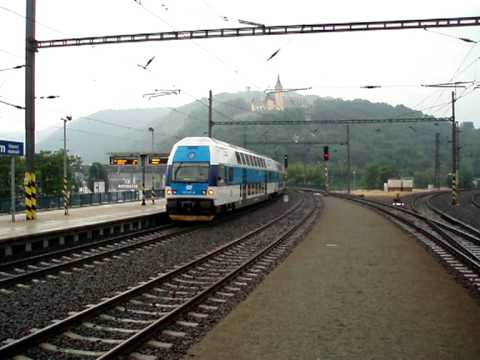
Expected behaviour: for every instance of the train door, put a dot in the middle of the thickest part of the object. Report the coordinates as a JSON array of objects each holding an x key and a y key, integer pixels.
[
  {"x": 265, "y": 175},
  {"x": 244, "y": 184}
]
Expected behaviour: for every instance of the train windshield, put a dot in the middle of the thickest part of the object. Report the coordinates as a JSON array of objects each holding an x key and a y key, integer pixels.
[{"x": 190, "y": 172}]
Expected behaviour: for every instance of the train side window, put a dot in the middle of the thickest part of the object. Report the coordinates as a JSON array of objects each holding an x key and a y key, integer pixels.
[
  {"x": 237, "y": 155},
  {"x": 244, "y": 158},
  {"x": 221, "y": 175}
]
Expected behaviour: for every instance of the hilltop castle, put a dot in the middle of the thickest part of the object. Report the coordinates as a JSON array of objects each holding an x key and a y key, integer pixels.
[{"x": 274, "y": 101}]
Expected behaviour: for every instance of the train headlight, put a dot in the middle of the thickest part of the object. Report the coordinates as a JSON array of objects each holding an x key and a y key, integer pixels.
[
  {"x": 211, "y": 192},
  {"x": 169, "y": 191},
  {"x": 204, "y": 192}
]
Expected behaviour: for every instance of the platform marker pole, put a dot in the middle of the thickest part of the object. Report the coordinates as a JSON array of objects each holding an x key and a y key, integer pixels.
[{"x": 30, "y": 50}]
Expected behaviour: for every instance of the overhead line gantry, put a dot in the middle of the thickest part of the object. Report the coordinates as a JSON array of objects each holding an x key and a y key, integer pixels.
[
  {"x": 32, "y": 45},
  {"x": 263, "y": 31}
]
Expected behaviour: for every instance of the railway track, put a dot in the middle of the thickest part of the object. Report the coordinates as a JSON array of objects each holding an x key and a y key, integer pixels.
[
  {"x": 144, "y": 320},
  {"x": 457, "y": 249},
  {"x": 476, "y": 200},
  {"x": 423, "y": 204},
  {"x": 20, "y": 272}
]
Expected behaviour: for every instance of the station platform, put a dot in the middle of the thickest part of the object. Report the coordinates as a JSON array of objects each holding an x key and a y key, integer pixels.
[
  {"x": 357, "y": 287},
  {"x": 55, "y": 220}
]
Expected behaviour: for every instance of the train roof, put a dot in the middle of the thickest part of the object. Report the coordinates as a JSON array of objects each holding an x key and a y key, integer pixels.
[{"x": 195, "y": 141}]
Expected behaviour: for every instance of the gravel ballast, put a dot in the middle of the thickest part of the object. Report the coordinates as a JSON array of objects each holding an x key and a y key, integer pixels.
[
  {"x": 466, "y": 212},
  {"x": 357, "y": 287},
  {"x": 38, "y": 305}
]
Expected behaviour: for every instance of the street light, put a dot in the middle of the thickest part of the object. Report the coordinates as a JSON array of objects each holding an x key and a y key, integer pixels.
[
  {"x": 152, "y": 130},
  {"x": 151, "y": 168},
  {"x": 65, "y": 180}
]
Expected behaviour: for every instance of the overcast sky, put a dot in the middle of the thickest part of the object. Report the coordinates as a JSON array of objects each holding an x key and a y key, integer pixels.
[{"x": 89, "y": 79}]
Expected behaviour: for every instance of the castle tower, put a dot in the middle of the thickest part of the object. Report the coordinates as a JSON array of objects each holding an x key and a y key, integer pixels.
[{"x": 279, "y": 100}]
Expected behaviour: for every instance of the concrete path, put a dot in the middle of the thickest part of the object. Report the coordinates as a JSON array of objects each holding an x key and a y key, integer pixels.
[
  {"x": 56, "y": 220},
  {"x": 358, "y": 288}
]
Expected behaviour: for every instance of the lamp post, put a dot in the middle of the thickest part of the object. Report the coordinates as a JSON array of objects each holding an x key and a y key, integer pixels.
[
  {"x": 151, "y": 168},
  {"x": 152, "y": 131},
  {"x": 65, "y": 164}
]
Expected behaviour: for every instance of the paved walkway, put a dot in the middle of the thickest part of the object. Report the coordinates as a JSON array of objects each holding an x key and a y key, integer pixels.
[
  {"x": 356, "y": 288},
  {"x": 56, "y": 220}
]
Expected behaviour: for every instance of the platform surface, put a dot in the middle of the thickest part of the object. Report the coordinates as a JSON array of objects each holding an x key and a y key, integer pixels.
[
  {"x": 78, "y": 217},
  {"x": 357, "y": 287}
]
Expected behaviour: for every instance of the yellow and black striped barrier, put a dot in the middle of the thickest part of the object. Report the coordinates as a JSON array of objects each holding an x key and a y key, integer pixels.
[
  {"x": 454, "y": 191},
  {"x": 65, "y": 195},
  {"x": 30, "y": 195}
]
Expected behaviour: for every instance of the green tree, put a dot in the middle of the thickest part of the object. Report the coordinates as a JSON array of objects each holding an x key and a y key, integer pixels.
[
  {"x": 466, "y": 179},
  {"x": 97, "y": 172},
  {"x": 5, "y": 164},
  {"x": 371, "y": 176},
  {"x": 50, "y": 172}
]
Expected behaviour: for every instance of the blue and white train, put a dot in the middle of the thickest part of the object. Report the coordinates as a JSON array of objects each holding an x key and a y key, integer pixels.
[{"x": 206, "y": 176}]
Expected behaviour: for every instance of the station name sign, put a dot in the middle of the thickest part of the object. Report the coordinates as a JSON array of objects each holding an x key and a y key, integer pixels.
[{"x": 11, "y": 148}]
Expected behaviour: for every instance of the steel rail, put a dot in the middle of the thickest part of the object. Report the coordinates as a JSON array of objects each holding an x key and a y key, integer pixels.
[
  {"x": 451, "y": 219},
  {"x": 261, "y": 31},
  {"x": 472, "y": 238},
  {"x": 43, "y": 257},
  {"x": 475, "y": 202},
  {"x": 24, "y": 277},
  {"x": 139, "y": 338},
  {"x": 20, "y": 345}
]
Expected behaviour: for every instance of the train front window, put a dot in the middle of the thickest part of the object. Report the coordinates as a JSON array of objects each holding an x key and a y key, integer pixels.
[{"x": 185, "y": 172}]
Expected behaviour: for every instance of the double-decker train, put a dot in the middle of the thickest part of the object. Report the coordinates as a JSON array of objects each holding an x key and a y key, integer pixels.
[{"x": 206, "y": 176}]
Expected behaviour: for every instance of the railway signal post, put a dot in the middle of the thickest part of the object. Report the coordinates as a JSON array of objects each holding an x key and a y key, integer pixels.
[{"x": 326, "y": 157}]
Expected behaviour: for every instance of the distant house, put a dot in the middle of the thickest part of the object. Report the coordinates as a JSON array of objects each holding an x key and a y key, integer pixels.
[{"x": 273, "y": 101}]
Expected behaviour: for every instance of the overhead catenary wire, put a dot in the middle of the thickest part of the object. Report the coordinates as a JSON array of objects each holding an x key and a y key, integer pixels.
[
  {"x": 113, "y": 124},
  {"x": 12, "y": 105},
  {"x": 219, "y": 59},
  {"x": 30, "y": 20},
  {"x": 13, "y": 68}
]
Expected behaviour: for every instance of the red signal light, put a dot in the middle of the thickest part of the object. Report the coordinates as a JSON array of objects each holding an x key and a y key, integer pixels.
[{"x": 326, "y": 155}]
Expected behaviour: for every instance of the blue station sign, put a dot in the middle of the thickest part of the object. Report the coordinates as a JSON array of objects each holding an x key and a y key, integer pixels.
[{"x": 11, "y": 148}]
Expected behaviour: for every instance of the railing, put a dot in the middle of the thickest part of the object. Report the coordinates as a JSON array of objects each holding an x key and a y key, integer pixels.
[{"x": 79, "y": 200}]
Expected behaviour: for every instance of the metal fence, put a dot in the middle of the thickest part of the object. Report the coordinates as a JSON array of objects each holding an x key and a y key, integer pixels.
[{"x": 79, "y": 200}]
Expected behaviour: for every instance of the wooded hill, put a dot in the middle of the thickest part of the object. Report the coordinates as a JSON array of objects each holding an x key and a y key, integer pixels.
[{"x": 405, "y": 150}]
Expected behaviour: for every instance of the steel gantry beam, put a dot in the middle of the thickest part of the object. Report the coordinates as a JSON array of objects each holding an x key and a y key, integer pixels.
[
  {"x": 263, "y": 31},
  {"x": 290, "y": 142},
  {"x": 335, "y": 122}
]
